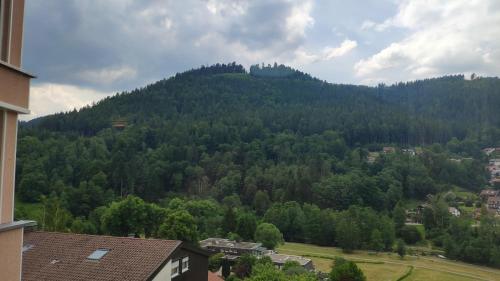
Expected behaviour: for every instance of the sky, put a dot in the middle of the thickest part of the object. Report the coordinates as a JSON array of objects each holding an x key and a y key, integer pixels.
[{"x": 83, "y": 51}]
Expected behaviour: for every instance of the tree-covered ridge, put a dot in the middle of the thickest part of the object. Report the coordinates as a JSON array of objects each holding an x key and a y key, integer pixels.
[
  {"x": 421, "y": 112},
  {"x": 278, "y": 71}
]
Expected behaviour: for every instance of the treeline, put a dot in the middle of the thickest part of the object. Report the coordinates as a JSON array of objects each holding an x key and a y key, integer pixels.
[
  {"x": 214, "y": 69},
  {"x": 278, "y": 71},
  {"x": 153, "y": 162},
  {"x": 194, "y": 219}
]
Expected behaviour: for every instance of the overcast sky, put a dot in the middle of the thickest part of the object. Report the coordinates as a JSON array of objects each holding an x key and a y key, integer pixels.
[{"x": 84, "y": 50}]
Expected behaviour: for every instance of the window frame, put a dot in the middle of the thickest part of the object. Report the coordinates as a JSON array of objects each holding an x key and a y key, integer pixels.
[
  {"x": 185, "y": 260},
  {"x": 175, "y": 264}
]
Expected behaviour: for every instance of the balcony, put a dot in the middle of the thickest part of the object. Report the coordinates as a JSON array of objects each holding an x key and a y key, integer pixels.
[{"x": 14, "y": 88}]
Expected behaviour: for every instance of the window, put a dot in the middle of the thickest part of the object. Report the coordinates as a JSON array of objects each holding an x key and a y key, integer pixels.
[
  {"x": 185, "y": 264},
  {"x": 175, "y": 269},
  {"x": 98, "y": 254}
]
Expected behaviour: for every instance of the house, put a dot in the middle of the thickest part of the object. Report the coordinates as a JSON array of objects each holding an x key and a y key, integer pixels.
[
  {"x": 494, "y": 162},
  {"x": 490, "y": 150},
  {"x": 63, "y": 256},
  {"x": 493, "y": 203},
  {"x": 495, "y": 181},
  {"x": 232, "y": 248},
  {"x": 487, "y": 193},
  {"x": 388, "y": 149},
  {"x": 409, "y": 151},
  {"x": 279, "y": 260},
  {"x": 454, "y": 211},
  {"x": 14, "y": 100}
]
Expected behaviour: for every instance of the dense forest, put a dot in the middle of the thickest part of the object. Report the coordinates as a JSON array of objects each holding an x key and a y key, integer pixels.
[{"x": 217, "y": 151}]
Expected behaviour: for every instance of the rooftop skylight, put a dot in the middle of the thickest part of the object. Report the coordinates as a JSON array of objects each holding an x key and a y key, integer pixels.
[{"x": 98, "y": 254}]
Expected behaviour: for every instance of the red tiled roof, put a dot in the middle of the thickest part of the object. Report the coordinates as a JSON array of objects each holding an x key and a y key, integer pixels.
[
  {"x": 214, "y": 277},
  {"x": 63, "y": 256}
]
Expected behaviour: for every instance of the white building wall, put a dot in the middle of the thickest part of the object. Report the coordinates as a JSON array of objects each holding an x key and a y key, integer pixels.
[{"x": 164, "y": 274}]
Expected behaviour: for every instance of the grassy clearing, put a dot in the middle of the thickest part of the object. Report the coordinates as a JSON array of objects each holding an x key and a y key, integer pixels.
[
  {"x": 388, "y": 266},
  {"x": 28, "y": 211}
]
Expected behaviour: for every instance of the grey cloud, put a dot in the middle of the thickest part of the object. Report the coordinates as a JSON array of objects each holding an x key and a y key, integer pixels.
[{"x": 67, "y": 38}]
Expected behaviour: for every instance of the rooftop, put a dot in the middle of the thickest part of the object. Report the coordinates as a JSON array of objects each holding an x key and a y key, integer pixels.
[
  {"x": 226, "y": 243},
  {"x": 63, "y": 256},
  {"x": 281, "y": 259}
]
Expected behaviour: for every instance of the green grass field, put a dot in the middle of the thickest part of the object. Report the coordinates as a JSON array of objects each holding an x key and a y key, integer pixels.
[
  {"x": 30, "y": 211},
  {"x": 388, "y": 266}
]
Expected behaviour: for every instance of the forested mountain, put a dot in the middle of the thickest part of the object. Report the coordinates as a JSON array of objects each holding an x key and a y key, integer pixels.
[
  {"x": 421, "y": 112},
  {"x": 273, "y": 143}
]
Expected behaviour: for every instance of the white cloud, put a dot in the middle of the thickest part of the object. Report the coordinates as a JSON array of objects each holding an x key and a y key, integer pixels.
[
  {"x": 299, "y": 20},
  {"x": 303, "y": 57},
  {"x": 51, "y": 98},
  {"x": 344, "y": 48},
  {"x": 108, "y": 75},
  {"x": 368, "y": 24},
  {"x": 444, "y": 37}
]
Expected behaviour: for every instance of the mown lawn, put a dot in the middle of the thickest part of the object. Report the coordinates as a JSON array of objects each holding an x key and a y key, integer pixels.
[{"x": 388, "y": 266}]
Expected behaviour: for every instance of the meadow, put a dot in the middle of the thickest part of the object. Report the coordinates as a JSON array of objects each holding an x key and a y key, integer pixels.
[{"x": 389, "y": 266}]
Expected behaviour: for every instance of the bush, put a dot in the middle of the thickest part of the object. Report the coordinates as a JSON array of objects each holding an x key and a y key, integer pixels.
[
  {"x": 410, "y": 234},
  {"x": 269, "y": 235},
  {"x": 215, "y": 262},
  {"x": 346, "y": 271}
]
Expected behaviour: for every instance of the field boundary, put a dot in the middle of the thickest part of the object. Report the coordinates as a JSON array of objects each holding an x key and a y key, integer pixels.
[
  {"x": 408, "y": 273},
  {"x": 333, "y": 258}
]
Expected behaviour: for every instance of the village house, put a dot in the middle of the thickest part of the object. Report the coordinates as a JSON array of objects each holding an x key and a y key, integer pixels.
[
  {"x": 279, "y": 260},
  {"x": 492, "y": 199},
  {"x": 487, "y": 193},
  {"x": 233, "y": 250},
  {"x": 389, "y": 149},
  {"x": 490, "y": 150},
  {"x": 493, "y": 204},
  {"x": 409, "y": 151},
  {"x": 65, "y": 256},
  {"x": 454, "y": 211}
]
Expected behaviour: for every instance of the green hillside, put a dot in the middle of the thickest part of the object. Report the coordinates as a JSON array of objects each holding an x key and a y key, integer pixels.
[{"x": 224, "y": 150}]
